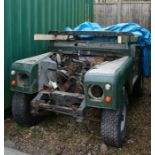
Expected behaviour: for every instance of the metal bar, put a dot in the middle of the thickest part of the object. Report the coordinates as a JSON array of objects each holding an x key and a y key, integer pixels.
[
  {"x": 37, "y": 97},
  {"x": 81, "y": 108},
  {"x": 96, "y": 33},
  {"x": 66, "y": 96},
  {"x": 90, "y": 45},
  {"x": 75, "y": 112},
  {"x": 80, "y": 111},
  {"x": 66, "y": 35},
  {"x": 57, "y": 108},
  {"x": 58, "y": 96},
  {"x": 98, "y": 52}
]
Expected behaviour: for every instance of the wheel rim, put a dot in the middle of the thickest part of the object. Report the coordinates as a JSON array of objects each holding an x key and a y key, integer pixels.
[{"x": 123, "y": 121}]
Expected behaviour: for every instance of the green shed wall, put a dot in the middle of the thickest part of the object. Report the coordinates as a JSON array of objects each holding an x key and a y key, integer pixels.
[{"x": 24, "y": 18}]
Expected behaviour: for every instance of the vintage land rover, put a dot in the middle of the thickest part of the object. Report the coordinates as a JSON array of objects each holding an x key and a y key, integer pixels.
[{"x": 77, "y": 74}]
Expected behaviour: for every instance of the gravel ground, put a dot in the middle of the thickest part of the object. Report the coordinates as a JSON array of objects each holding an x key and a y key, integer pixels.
[{"x": 61, "y": 135}]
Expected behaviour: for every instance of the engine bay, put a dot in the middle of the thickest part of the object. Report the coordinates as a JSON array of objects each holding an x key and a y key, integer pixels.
[{"x": 72, "y": 68}]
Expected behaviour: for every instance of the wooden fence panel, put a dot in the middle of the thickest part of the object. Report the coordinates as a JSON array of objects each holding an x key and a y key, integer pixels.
[{"x": 108, "y": 13}]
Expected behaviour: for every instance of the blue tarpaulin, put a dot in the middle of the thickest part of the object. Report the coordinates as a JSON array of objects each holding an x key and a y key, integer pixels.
[{"x": 143, "y": 33}]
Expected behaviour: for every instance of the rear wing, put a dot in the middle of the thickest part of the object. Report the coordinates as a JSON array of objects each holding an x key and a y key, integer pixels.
[{"x": 122, "y": 37}]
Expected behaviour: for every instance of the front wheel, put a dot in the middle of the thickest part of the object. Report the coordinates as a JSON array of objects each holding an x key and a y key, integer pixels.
[
  {"x": 21, "y": 109},
  {"x": 113, "y": 124}
]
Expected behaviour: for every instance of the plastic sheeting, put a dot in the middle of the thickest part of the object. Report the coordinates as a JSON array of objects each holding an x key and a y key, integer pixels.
[{"x": 144, "y": 41}]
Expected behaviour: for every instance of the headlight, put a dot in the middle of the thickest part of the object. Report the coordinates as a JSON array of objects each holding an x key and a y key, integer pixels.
[
  {"x": 95, "y": 91},
  {"x": 22, "y": 80},
  {"x": 107, "y": 86},
  {"x": 13, "y": 72}
]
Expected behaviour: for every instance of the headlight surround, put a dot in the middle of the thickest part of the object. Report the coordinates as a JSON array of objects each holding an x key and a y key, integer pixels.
[
  {"x": 95, "y": 92},
  {"x": 107, "y": 86}
]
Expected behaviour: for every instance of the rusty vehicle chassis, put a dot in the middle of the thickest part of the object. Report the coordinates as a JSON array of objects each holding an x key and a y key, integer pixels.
[{"x": 67, "y": 103}]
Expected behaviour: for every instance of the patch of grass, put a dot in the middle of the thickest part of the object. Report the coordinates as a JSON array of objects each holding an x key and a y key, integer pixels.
[
  {"x": 52, "y": 152},
  {"x": 36, "y": 134},
  {"x": 19, "y": 129}
]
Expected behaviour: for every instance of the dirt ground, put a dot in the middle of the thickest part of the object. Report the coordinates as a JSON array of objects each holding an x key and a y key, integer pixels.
[{"x": 61, "y": 135}]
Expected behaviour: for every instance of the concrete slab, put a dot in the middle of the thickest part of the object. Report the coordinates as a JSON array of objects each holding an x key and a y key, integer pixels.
[
  {"x": 8, "y": 143},
  {"x": 10, "y": 151}
]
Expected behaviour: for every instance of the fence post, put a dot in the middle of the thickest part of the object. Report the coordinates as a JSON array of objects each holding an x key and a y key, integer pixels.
[{"x": 119, "y": 11}]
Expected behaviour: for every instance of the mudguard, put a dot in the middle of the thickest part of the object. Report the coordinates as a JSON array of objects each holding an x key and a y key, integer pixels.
[
  {"x": 32, "y": 73},
  {"x": 116, "y": 73}
]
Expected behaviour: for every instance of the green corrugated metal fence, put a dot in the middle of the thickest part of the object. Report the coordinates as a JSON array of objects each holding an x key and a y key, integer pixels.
[{"x": 24, "y": 18}]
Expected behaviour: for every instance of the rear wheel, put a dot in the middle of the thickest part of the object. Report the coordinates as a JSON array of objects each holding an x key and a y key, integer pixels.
[
  {"x": 113, "y": 124},
  {"x": 21, "y": 109}
]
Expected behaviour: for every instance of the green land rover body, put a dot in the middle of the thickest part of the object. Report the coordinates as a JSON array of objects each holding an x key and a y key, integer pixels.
[{"x": 78, "y": 74}]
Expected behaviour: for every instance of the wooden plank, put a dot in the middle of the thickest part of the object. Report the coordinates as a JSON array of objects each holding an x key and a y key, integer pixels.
[{"x": 49, "y": 37}]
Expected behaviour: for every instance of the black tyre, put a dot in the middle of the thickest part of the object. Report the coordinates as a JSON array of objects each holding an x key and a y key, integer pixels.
[
  {"x": 138, "y": 87},
  {"x": 113, "y": 124},
  {"x": 21, "y": 109}
]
